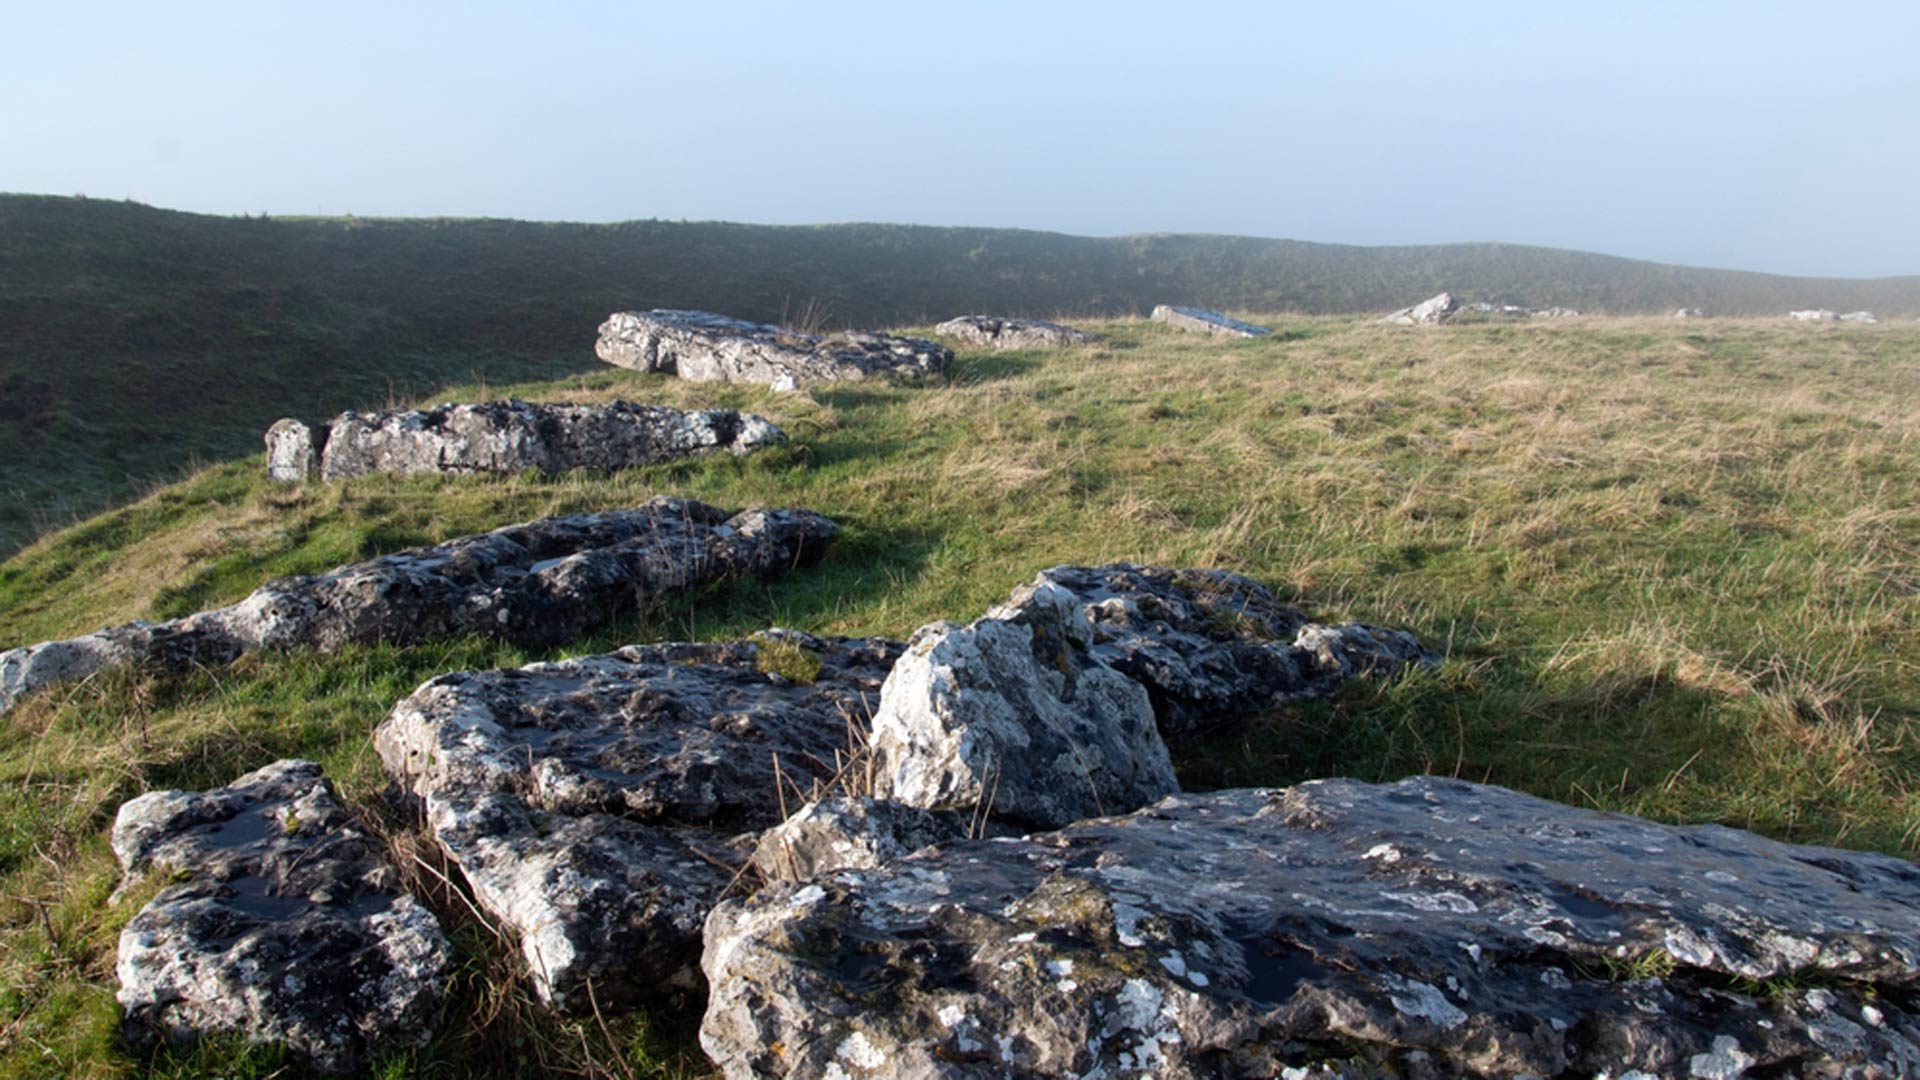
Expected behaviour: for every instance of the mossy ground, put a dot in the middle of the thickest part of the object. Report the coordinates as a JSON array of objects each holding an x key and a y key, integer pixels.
[{"x": 1675, "y": 568}]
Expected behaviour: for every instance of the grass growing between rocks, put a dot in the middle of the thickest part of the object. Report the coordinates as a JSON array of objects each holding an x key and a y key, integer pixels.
[{"x": 1675, "y": 569}]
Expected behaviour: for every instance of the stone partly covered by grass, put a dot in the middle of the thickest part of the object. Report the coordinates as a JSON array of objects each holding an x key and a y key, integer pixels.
[{"x": 1671, "y": 565}]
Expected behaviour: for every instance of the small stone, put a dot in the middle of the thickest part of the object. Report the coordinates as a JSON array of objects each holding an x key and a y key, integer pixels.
[
  {"x": 988, "y": 332},
  {"x": 1201, "y": 321},
  {"x": 1689, "y": 313}
]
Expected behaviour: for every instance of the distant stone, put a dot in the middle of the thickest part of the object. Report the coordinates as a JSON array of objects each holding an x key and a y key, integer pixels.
[
  {"x": 508, "y": 437},
  {"x": 1555, "y": 313},
  {"x": 988, "y": 332},
  {"x": 1202, "y": 321},
  {"x": 1813, "y": 315},
  {"x": 1859, "y": 317},
  {"x": 1430, "y": 928},
  {"x": 848, "y": 833},
  {"x": 544, "y": 582},
  {"x": 1690, "y": 313},
  {"x": 1013, "y": 717},
  {"x": 592, "y": 804},
  {"x": 1429, "y": 312},
  {"x": 293, "y": 451},
  {"x": 278, "y": 921},
  {"x": 705, "y": 347}
]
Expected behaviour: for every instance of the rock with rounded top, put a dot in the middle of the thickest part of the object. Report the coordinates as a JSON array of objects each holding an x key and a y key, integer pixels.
[
  {"x": 599, "y": 807},
  {"x": 542, "y": 582},
  {"x": 1201, "y": 321},
  {"x": 1429, "y": 312},
  {"x": 705, "y": 347},
  {"x": 293, "y": 451},
  {"x": 989, "y": 332},
  {"x": 277, "y": 919},
  {"x": 1430, "y": 928}
]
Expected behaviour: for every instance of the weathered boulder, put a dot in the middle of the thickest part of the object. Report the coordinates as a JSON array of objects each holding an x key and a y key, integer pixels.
[
  {"x": 1554, "y": 313},
  {"x": 1689, "y": 313},
  {"x": 1013, "y": 717},
  {"x": 1211, "y": 646},
  {"x": 1859, "y": 317},
  {"x": 705, "y": 347},
  {"x": 592, "y": 804},
  {"x": 1429, "y": 312},
  {"x": 278, "y": 920},
  {"x": 509, "y": 436},
  {"x": 293, "y": 451},
  {"x": 1429, "y": 928},
  {"x": 992, "y": 333},
  {"x": 858, "y": 833},
  {"x": 1813, "y": 315},
  {"x": 543, "y": 582},
  {"x": 1201, "y": 321}
]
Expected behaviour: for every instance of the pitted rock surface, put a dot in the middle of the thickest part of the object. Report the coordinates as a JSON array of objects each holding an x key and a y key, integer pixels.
[
  {"x": 705, "y": 347},
  {"x": 846, "y": 833},
  {"x": 510, "y": 436},
  {"x": 989, "y": 332},
  {"x": 1429, "y": 312},
  {"x": 1201, "y": 321},
  {"x": 1211, "y": 646},
  {"x": 592, "y": 803},
  {"x": 543, "y": 582},
  {"x": 1429, "y": 928},
  {"x": 279, "y": 922},
  {"x": 1013, "y": 716}
]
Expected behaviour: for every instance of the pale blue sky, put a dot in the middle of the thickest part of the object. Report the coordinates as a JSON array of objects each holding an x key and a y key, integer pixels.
[{"x": 1781, "y": 137}]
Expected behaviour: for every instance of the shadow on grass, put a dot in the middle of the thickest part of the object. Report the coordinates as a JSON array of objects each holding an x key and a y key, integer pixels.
[{"x": 992, "y": 367}]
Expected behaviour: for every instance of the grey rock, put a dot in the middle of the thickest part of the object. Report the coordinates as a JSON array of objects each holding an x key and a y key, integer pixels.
[
  {"x": 705, "y": 347},
  {"x": 1689, "y": 313},
  {"x": 539, "y": 583},
  {"x": 1202, "y": 321},
  {"x": 1014, "y": 717},
  {"x": 1429, "y": 312},
  {"x": 278, "y": 921},
  {"x": 592, "y": 804},
  {"x": 1859, "y": 317},
  {"x": 293, "y": 451},
  {"x": 1211, "y": 646},
  {"x": 1554, "y": 313},
  {"x": 510, "y": 436},
  {"x": 1429, "y": 928},
  {"x": 1813, "y": 315},
  {"x": 988, "y": 332},
  {"x": 854, "y": 833}
]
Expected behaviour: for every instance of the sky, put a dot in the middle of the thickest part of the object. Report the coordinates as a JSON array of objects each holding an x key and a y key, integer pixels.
[{"x": 1758, "y": 136}]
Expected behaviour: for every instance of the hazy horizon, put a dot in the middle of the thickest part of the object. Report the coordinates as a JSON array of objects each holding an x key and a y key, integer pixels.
[{"x": 1773, "y": 138}]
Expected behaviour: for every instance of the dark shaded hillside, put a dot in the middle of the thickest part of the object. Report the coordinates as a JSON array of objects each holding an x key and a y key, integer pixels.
[{"x": 136, "y": 341}]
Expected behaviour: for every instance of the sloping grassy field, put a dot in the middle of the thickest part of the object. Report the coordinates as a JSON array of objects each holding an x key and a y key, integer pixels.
[{"x": 1675, "y": 568}]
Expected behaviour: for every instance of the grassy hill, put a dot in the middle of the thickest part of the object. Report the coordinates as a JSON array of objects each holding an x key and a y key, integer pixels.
[
  {"x": 1675, "y": 568},
  {"x": 137, "y": 342}
]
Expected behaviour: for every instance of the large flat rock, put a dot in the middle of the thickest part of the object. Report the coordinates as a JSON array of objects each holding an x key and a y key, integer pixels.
[
  {"x": 543, "y": 582},
  {"x": 508, "y": 437},
  {"x": 1201, "y": 321},
  {"x": 278, "y": 921},
  {"x": 599, "y": 807},
  {"x": 989, "y": 332},
  {"x": 1429, "y": 928},
  {"x": 705, "y": 347}
]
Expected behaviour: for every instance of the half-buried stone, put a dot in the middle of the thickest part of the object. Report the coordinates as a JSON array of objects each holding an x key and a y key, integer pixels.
[
  {"x": 989, "y": 332},
  {"x": 539, "y": 583},
  {"x": 278, "y": 920},
  {"x": 508, "y": 437},
  {"x": 705, "y": 347},
  {"x": 1429, "y": 928},
  {"x": 596, "y": 806},
  {"x": 1201, "y": 321}
]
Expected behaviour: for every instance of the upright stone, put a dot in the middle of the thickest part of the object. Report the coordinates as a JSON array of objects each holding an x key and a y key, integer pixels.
[
  {"x": 1201, "y": 321},
  {"x": 293, "y": 451}
]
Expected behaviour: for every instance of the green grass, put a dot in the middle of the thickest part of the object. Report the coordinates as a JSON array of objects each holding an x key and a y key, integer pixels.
[{"x": 1675, "y": 569}]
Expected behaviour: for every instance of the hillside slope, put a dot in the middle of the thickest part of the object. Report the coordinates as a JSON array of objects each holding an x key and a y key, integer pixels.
[{"x": 135, "y": 341}]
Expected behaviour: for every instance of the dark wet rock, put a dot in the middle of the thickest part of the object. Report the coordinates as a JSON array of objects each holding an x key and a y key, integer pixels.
[
  {"x": 543, "y": 582},
  {"x": 1429, "y": 312},
  {"x": 1202, "y": 321},
  {"x": 849, "y": 833},
  {"x": 1013, "y": 716},
  {"x": 510, "y": 436},
  {"x": 989, "y": 332},
  {"x": 278, "y": 920},
  {"x": 1429, "y": 928},
  {"x": 293, "y": 451},
  {"x": 592, "y": 804},
  {"x": 1211, "y": 646},
  {"x": 705, "y": 347}
]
